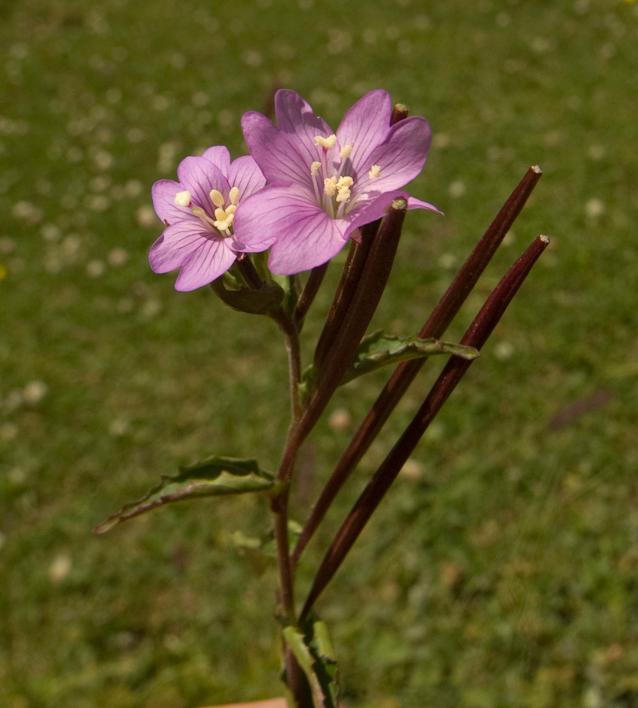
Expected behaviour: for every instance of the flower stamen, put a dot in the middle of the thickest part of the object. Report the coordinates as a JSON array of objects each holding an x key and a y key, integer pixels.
[
  {"x": 374, "y": 172},
  {"x": 330, "y": 186},
  {"x": 233, "y": 195},
  {"x": 216, "y": 197}
]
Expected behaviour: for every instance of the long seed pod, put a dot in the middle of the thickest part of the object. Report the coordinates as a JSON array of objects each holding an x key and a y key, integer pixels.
[
  {"x": 346, "y": 289},
  {"x": 475, "y": 336},
  {"x": 403, "y": 375},
  {"x": 366, "y": 297}
]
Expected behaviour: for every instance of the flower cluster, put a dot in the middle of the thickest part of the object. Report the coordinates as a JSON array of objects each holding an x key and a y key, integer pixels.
[{"x": 302, "y": 193}]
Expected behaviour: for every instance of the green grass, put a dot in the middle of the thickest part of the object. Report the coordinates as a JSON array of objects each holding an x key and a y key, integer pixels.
[{"x": 503, "y": 572}]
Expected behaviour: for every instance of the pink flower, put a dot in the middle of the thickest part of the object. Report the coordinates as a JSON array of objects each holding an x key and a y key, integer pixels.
[
  {"x": 322, "y": 185},
  {"x": 199, "y": 212}
]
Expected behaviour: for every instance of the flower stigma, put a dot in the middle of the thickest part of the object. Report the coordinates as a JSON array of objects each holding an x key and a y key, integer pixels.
[{"x": 327, "y": 142}]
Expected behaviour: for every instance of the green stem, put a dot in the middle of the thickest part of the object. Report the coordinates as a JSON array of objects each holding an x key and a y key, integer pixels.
[{"x": 295, "y": 678}]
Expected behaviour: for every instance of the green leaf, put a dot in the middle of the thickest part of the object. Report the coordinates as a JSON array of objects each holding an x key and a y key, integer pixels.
[
  {"x": 216, "y": 476},
  {"x": 379, "y": 349},
  {"x": 296, "y": 642},
  {"x": 327, "y": 659}
]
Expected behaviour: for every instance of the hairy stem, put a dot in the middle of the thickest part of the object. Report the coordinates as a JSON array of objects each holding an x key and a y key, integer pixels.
[{"x": 295, "y": 678}]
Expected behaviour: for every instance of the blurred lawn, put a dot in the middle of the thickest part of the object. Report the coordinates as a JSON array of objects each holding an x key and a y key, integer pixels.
[{"x": 502, "y": 570}]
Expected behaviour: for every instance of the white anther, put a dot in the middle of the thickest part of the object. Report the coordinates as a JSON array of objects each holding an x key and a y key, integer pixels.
[
  {"x": 375, "y": 170},
  {"x": 326, "y": 143},
  {"x": 216, "y": 197},
  {"x": 230, "y": 209},
  {"x": 314, "y": 168},
  {"x": 220, "y": 214},
  {"x": 343, "y": 194},
  {"x": 330, "y": 186},
  {"x": 233, "y": 195},
  {"x": 345, "y": 151},
  {"x": 183, "y": 199}
]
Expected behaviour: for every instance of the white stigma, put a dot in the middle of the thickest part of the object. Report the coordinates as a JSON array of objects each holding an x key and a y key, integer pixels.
[
  {"x": 325, "y": 143},
  {"x": 233, "y": 195},
  {"x": 314, "y": 168},
  {"x": 345, "y": 151},
  {"x": 183, "y": 199},
  {"x": 216, "y": 197},
  {"x": 374, "y": 172}
]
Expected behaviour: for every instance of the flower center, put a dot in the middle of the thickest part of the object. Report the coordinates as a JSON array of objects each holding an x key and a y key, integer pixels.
[
  {"x": 333, "y": 188},
  {"x": 224, "y": 212},
  {"x": 332, "y": 184}
]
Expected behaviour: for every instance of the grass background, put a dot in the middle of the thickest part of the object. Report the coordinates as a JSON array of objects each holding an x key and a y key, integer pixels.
[{"x": 502, "y": 569}]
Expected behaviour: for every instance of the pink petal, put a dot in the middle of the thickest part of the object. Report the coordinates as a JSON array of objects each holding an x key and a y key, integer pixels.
[
  {"x": 414, "y": 203},
  {"x": 198, "y": 175},
  {"x": 294, "y": 115},
  {"x": 296, "y": 118},
  {"x": 365, "y": 125},
  {"x": 175, "y": 246},
  {"x": 220, "y": 157},
  {"x": 246, "y": 176},
  {"x": 401, "y": 157},
  {"x": 377, "y": 207},
  {"x": 163, "y": 193},
  {"x": 261, "y": 219},
  {"x": 301, "y": 234},
  {"x": 278, "y": 154},
  {"x": 210, "y": 259},
  {"x": 315, "y": 239}
]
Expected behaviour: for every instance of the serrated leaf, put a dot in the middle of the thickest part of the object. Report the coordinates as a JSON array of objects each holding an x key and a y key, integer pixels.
[
  {"x": 216, "y": 476},
  {"x": 296, "y": 642},
  {"x": 380, "y": 349},
  {"x": 327, "y": 660}
]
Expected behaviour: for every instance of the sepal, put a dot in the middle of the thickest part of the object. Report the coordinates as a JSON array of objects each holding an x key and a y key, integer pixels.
[{"x": 263, "y": 300}]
